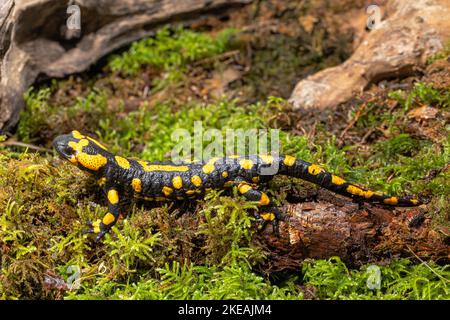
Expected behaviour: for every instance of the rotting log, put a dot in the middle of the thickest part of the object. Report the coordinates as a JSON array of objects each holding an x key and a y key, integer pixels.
[
  {"x": 36, "y": 42},
  {"x": 358, "y": 234},
  {"x": 401, "y": 43}
]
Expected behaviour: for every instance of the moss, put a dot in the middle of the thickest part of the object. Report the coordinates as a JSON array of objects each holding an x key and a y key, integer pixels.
[
  {"x": 170, "y": 51},
  {"x": 46, "y": 202},
  {"x": 201, "y": 250},
  {"x": 442, "y": 54},
  {"x": 399, "y": 280},
  {"x": 422, "y": 93}
]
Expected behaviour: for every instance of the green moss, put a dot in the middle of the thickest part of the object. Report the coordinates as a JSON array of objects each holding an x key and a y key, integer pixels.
[
  {"x": 399, "y": 280},
  {"x": 43, "y": 117},
  {"x": 207, "y": 252},
  {"x": 442, "y": 54},
  {"x": 170, "y": 51},
  {"x": 422, "y": 94},
  {"x": 44, "y": 206},
  {"x": 156, "y": 126}
]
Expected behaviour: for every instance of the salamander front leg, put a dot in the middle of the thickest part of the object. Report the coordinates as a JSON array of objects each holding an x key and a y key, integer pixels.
[{"x": 102, "y": 227}]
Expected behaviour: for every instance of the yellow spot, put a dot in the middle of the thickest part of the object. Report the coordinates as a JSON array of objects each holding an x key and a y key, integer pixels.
[
  {"x": 359, "y": 192},
  {"x": 136, "y": 184},
  {"x": 88, "y": 161},
  {"x": 337, "y": 180},
  {"x": 244, "y": 188},
  {"x": 167, "y": 191},
  {"x": 391, "y": 200},
  {"x": 161, "y": 167},
  {"x": 209, "y": 166},
  {"x": 96, "y": 226},
  {"x": 353, "y": 189},
  {"x": 314, "y": 169},
  {"x": 246, "y": 164},
  {"x": 101, "y": 182},
  {"x": 414, "y": 201},
  {"x": 97, "y": 143},
  {"x": 196, "y": 181},
  {"x": 264, "y": 201},
  {"x": 113, "y": 196},
  {"x": 77, "y": 135},
  {"x": 73, "y": 159},
  {"x": 78, "y": 146},
  {"x": 177, "y": 182},
  {"x": 268, "y": 216},
  {"x": 368, "y": 194},
  {"x": 122, "y": 162},
  {"x": 108, "y": 218},
  {"x": 255, "y": 179},
  {"x": 189, "y": 192},
  {"x": 225, "y": 174},
  {"x": 92, "y": 162},
  {"x": 73, "y": 145},
  {"x": 268, "y": 159},
  {"x": 289, "y": 161}
]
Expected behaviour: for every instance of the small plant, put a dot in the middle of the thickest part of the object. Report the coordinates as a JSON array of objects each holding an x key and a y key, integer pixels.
[
  {"x": 443, "y": 54},
  {"x": 170, "y": 51},
  {"x": 422, "y": 93},
  {"x": 399, "y": 280},
  {"x": 130, "y": 247}
]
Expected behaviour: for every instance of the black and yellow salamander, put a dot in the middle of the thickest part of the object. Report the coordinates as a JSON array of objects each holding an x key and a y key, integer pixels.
[{"x": 122, "y": 178}]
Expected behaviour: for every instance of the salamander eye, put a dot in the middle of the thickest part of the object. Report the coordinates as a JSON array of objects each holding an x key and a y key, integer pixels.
[{"x": 69, "y": 150}]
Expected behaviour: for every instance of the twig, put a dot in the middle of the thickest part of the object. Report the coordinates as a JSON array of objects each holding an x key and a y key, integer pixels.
[
  {"x": 353, "y": 122},
  {"x": 217, "y": 57},
  {"x": 426, "y": 264},
  {"x": 24, "y": 145},
  {"x": 368, "y": 133}
]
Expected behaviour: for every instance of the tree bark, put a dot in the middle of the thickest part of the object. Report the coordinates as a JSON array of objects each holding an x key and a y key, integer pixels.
[
  {"x": 35, "y": 40},
  {"x": 400, "y": 44},
  {"x": 358, "y": 234}
]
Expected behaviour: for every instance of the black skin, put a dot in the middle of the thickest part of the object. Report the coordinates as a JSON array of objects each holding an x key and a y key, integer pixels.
[{"x": 170, "y": 181}]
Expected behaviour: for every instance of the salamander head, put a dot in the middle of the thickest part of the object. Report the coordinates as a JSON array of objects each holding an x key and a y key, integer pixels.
[{"x": 83, "y": 151}]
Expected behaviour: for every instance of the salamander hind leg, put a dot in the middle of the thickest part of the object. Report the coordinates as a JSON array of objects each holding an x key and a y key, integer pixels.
[{"x": 267, "y": 213}]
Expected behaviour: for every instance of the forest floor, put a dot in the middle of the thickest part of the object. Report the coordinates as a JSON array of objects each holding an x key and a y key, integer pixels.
[{"x": 232, "y": 71}]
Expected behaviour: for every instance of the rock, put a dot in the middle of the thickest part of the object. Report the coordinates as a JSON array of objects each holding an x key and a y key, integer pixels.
[
  {"x": 40, "y": 38},
  {"x": 400, "y": 44}
]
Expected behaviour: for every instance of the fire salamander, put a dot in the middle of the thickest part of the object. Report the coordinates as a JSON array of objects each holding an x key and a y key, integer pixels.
[{"x": 122, "y": 178}]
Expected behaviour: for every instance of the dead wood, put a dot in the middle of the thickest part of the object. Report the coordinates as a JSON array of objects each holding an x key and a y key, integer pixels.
[
  {"x": 401, "y": 43},
  {"x": 35, "y": 40}
]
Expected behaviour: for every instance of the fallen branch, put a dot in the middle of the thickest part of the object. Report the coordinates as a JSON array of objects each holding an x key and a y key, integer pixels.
[{"x": 36, "y": 42}]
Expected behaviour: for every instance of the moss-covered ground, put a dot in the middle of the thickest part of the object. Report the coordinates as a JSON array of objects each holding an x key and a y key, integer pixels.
[{"x": 393, "y": 140}]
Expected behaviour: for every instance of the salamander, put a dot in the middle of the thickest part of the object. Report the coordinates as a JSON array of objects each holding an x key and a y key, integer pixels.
[{"x": 122, "y": 178}]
